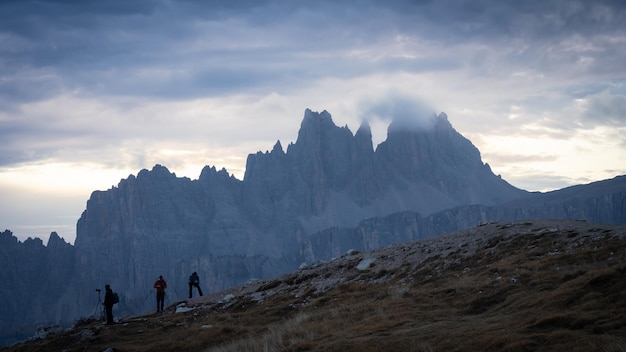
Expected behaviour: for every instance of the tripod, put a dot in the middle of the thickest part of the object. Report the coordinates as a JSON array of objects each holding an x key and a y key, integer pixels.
[
  {"x": 99, "y": 307},
  {"x": 167, "y": 299}
]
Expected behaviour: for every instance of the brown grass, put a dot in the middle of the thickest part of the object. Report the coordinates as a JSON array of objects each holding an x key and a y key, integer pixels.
[{"x": 537, "y": 290}]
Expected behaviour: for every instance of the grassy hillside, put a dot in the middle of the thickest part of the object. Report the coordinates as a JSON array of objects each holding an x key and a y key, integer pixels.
[{"x": 526, "y": 286}]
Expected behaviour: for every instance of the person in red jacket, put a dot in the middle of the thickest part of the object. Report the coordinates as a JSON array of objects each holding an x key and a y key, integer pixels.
[{"x": 160, "y": 286}]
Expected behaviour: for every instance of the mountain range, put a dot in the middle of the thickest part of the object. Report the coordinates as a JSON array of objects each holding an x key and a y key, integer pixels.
[{"x": 329, "y": 192}]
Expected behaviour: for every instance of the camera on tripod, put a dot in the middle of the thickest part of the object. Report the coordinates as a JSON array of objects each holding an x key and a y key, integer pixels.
[{"x": 99, "y": 307}]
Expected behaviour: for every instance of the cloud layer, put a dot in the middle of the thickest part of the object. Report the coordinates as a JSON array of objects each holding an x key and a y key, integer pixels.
[{"x": 97, "y": 90}]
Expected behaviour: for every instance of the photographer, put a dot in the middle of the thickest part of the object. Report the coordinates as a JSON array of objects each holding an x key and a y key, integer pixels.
[{"x": 109, "y": 301}]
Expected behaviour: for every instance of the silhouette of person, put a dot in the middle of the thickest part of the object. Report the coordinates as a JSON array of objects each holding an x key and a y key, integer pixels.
[
  {"x": 194, "y": 281},
  {"x": 108, "y": 303},
  {"x": 160, "y": 286}
]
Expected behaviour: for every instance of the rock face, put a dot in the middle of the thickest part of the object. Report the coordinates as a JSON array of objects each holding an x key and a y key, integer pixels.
[
  {"x": 328, "y": 192},
  {"x": 599, "y": 202},
  {"x": 330, "y": 177},
  {"x": 34, "y": 280}
]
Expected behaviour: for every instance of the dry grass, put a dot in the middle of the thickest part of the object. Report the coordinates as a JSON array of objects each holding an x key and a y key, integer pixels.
[
  {"x": 278, "y": 337},
  {"x": 527, "y": 287}
]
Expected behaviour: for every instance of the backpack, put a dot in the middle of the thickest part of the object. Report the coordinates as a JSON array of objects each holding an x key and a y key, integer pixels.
[{"x": 116, "y": 298}]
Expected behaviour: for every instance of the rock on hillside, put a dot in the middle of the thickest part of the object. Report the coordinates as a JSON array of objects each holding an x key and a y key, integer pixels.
[{"x": 540, "y": 285}]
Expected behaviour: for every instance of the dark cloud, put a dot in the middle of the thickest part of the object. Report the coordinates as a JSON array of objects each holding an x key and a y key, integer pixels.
[
  {"x": 541, "y": 21},
  {"x": 192, "y": 49},
  {"x": 215, "y": 47}
]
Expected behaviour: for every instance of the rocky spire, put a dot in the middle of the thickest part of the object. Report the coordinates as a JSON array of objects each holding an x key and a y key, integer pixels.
[{"x": 363, "y": 137}]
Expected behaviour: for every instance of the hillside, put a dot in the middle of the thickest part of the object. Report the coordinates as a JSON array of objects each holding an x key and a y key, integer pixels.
[{"x": 540, "y": 285}]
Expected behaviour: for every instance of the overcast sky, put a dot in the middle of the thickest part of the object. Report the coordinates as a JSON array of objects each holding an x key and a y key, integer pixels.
[{"x": 93, "y": 91}]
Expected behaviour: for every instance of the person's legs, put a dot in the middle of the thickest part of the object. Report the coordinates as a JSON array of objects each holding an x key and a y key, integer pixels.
[
  {"x": 190, "y": 287},
  {"x": 109, "y": 311},
  {"x": 199, "y": 289},
  {"x": 161, "y": 300}
]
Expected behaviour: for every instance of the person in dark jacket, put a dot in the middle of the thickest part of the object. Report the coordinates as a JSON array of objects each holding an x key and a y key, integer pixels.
[
  {"x": 194, "y": 281},
  {"x": 108, "y": 303},
  {"x": 160, "y": 286}
]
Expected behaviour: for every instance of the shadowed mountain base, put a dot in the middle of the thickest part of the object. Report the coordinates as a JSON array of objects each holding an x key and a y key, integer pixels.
[{"x": 525, "y": 286}]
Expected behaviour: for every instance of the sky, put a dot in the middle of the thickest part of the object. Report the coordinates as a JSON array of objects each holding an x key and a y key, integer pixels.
[{"x": 94, "y": 91}]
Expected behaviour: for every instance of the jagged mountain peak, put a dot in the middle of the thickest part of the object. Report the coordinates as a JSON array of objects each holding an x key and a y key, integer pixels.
[
  {"x": 158, "y": 170},
  {"x": 363, "y": 136},
  {"x": 55, "y": 240},
  {"x": 210, "y": 172},
  {"x": 317, "y": 134},
  {"x": 419, "y": 123},
  {"x": 278, "y": 148},
  {"x": 365, "y": 130},
  {"x": 314, "y": 120},
  {"x": 432, "y": 137},
  {"x": 7, "y": 238},
  {"x": 316, "y": 124},
  {"x": 311, "y": 116},
  {"x": 207, "y": 171},
  {"x": 33, "y": 242}
]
